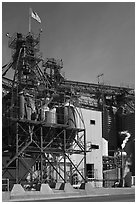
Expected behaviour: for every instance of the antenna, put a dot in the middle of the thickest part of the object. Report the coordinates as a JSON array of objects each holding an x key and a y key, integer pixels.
[{"x": 98, "y": 76}]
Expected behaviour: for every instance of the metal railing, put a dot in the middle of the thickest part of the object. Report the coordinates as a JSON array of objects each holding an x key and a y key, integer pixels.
[{"x": 5, "y": 184}]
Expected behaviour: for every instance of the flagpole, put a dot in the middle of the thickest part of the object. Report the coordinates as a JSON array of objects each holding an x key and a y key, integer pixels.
[{"x": 29, "y": 20}]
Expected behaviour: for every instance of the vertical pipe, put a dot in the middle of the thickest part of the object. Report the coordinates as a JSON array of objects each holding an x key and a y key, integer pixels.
[
  {"x": 121, "y": 172},
  {"x": 41, "y": 135},
  {"x": 21, "y": 106},
  {"x": 17, "y": 127},
  {"x": 17, "y": 159},
  {"x": 85, "y": 166},
  {"x": 71, "y": 182},
  {"x": 30, "y": 11},
  {"x": 8, "y": 185},
  {"x": 57, "y": 169},
  {"x": 64, "y": 155}
]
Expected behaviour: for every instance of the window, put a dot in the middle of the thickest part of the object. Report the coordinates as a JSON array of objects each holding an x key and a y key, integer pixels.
[
  {"x": 90, "y": 170},
  {"x": 92, "y": 122}
]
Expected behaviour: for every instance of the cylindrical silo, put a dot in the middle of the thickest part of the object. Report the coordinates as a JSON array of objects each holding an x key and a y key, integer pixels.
[
  {"x": 66, "y": 116},
  {"x": 50, "y": 116},
  {"x": 69, "y": 116}
]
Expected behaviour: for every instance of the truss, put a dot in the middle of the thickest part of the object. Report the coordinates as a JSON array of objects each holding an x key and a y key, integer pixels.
[{"x": 33, "y": 145}]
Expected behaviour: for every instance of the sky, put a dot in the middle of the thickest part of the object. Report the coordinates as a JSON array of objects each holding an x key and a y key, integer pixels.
[{"x": 91, "y": 38}]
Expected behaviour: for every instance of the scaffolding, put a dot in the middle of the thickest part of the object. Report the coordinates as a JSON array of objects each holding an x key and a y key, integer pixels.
[
  {"x": 40, "y": 134},
  {"x": 39, "y": 128}
]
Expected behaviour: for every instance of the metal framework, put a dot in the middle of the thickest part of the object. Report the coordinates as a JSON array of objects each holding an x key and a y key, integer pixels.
[
  {"x": 33, "y": 144},
  {"x": 33, "y": 141}
]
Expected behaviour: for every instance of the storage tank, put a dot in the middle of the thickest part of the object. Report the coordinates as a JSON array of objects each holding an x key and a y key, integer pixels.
[
  {"x": 66, "y": 116},
  {"x": 70, "y": 118},
  {"x": 50, "y": 116},
  {"x": 43, "y": 112}
]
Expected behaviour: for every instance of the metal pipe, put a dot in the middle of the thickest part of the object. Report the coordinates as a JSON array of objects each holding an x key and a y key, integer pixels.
[
  {"x": 64, "y": 156},
  {"x": 41, "y": 135},
  {"x": 17, "y": 148}
]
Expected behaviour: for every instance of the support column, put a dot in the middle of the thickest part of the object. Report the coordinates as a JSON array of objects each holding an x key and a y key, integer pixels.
[
  {"x": 17, "y": 149},
  {"x": 71, "y": 182},
  {"x": 57, "y": 168},
  {"x": 41, "y": 140},
  {"x": 121, "y": 170},
  {"x": 65, "y": 155},
  {"x": 85, "y": 166}
]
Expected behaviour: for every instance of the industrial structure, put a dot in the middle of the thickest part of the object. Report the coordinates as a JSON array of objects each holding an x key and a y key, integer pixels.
[{"x": 57, "y": 130}]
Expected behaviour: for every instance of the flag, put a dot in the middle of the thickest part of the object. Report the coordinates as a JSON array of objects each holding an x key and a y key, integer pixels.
[{"x": 35, "y": 16}]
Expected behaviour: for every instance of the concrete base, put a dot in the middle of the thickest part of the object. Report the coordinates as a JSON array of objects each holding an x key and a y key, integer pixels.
[
  {"x": 68, "y": 188},
  {"x": 5, "y": 196},
  {"x": 89, "y": 188},
  {"x": 36, "y": 196},
  {"x": 17, "y": 190},
  {"x": 45, "y": 189}
]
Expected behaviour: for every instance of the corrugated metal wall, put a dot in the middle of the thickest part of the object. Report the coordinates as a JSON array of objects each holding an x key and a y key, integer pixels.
[{"x": 109, "y": 129}]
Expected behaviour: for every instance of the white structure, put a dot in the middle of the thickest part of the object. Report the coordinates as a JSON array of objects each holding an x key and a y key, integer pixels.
[
  {"x": 96, "y": 146},
  {"x": 92, "y": 122}
]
